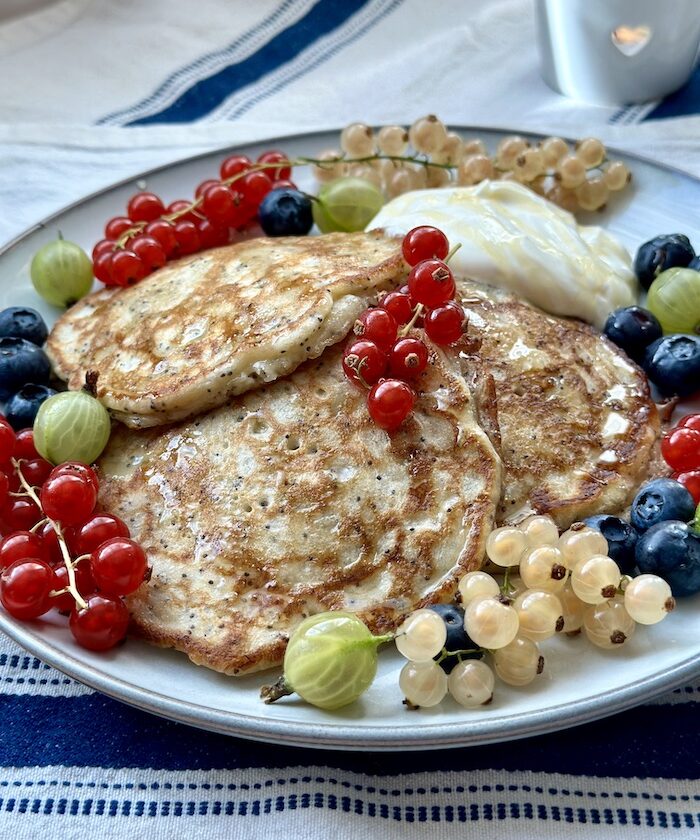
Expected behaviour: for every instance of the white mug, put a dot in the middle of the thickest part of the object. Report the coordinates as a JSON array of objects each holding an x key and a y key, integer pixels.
[{"x": 617, "y": 51}]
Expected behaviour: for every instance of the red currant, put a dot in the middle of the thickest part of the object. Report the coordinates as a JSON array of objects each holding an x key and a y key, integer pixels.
[
  {"x": 211, "y": 235},
  {"x": 424, "y": 243},
  {"x": 84, "y": 580},
  {"x": 22, "y": 545},
  {"x": 163, "y": 232},
  {"x": 187, "y": 235},
  {"x": 691, "y": 481},
  {"x": 144, "y": 207},
  {"x": 36, "y": 471},
  {"x": 119, "y": 566},
  {"x": 101, "y": 624},
  {"x": 681, "y": 448},
  {"x": 50, "y": 541},
  {"x": 399, "y": 306},
  {"x": 8, "y": 440},
  {"x": 183, "y": 209},
  {"x": 408, "y": 358},
  {"x": 254, "y": 187},
  {"x": 377, "y": 325},
  {"x": 149, "y": 251},
  {"x": 102, "y": 269},
  {"x": 79, "y": 469},
  {"x": 127, "y": 268},
  {"x": 104, "y": 246},
  {"x": 445, "y": 324},
  {"x": 204, "y": 186},
  {"x": 4, "y": 488},
  {"x": 117, "y": 226},
  {"x": 690, "y": 421},
  {"x": 25, "y": 587},
  {"x": 243, "y": 213},
  {"x": 364, "y": 356},
  {"x": 431, "y": 283},
  {"x": 284, "y": 184},
  {"x": 64, "y": 602},
  {"x": 390, "y": 402},
  {"x": 233, "y": 165},
  {"x": 272, "y": 156},
  {"x": 21, "y": 514},
  {"x": 70, "y": 499},
  {"x": 97, "y": 530},
  {"x": 218, "y": 203},
  {"x": 24, "y": 446}
]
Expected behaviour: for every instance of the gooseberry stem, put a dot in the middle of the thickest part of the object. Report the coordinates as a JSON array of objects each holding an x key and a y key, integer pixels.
[
  {"x": 67, "y": 562},
  {"x": 280, "y": 688}
]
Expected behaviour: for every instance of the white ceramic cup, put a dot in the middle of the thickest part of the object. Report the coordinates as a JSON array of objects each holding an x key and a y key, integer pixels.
[{"x": 617, "y": 51}]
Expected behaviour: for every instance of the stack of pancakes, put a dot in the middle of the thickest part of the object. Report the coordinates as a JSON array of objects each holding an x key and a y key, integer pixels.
[{"x": 249, "y": 469}]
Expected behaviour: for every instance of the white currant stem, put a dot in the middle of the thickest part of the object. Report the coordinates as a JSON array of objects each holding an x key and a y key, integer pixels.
[{"x": 68, "y": 563}]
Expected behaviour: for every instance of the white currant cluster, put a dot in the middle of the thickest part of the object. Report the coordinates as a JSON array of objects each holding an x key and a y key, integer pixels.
[
  {"x": 397, "y": 160},
  {"x": 566, "y": 583}
]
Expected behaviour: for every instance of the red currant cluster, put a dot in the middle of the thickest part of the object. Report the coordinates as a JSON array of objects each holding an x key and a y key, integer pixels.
[
  {"x": 57, "y": 550},
  {"x": 151, "y": 234},
  {"x": 382, "y": 344},
  {"x": 681, "y": 450}
]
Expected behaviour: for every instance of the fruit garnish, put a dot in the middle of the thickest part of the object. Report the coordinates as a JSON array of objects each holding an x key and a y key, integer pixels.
[
  {"x": 672, "y": 363},
  {"x": 71, "y": 426},
  {"x": 348, "y": 204},
  {"x": 61, "y": 272},
  {"x": 60, "y": 553},
  {"x": 674, "y": 298},
  {"x": 633, "y": 329},
  {"x": 331, "y": 659},
  {"x": 662, "y": 252}
]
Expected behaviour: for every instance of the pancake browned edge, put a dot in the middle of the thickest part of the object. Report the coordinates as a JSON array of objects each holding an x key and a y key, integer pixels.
[
  {"x": 579, "y": 428},
  {"x": 291, "y": 501},
  {"x": 219, "y": 323}
]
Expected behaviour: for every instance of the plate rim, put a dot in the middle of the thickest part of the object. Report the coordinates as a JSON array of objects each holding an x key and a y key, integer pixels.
[{"x": 337, "y": 735}]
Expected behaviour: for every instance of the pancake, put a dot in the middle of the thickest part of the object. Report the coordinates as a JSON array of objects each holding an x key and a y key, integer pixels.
[
  {"x": 578, "y": 426},
  {"x": 291, "y": 501},
  {"x": 207, "y": 327}
]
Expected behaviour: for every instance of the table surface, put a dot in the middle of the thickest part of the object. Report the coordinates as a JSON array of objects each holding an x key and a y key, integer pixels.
[{"x": 97, "y": 90}]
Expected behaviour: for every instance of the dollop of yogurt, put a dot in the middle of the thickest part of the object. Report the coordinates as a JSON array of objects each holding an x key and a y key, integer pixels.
[{"x": 515, "y": 239}]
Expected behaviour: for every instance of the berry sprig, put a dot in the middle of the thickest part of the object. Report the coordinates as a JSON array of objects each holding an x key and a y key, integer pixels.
[
  {"x": 567, "y": 583},
  {"x": 382, "y": 342},
  {"x": 58, "y": 551},
  {"x": 680, "y": 448},
  {"x": 151, "y": 234}
]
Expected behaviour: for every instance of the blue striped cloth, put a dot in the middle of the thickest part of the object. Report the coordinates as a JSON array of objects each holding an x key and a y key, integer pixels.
[{"x": 170, "y": 79}]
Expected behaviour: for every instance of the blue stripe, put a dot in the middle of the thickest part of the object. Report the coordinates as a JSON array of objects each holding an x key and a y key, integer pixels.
[
  {"x": 206, "y": 95},
  {"x": 94, "y": 730},
  {"x": 336, "y": 48},
  {"x": 685, "y": 102},
  {"x": 194, "y": 67}
]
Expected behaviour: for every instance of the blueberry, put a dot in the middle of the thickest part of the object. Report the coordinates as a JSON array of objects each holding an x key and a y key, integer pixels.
[
  {"x": 633, "y": 329},
  {"x": 23, "y": 322},
  {"x": 621, "y": 537},
  {"x": 22, "y": 407},
  {"x": 695, "y": 263},
  {"x": 671, "y": 550},
  {"x": 21, "y": 362},
  {"x": 660, "y": 500},
  {"x": 457, "y": 639},
  {"x": 285, "y": 212},
  {"x": 673, "y": 364},
  {"x": 660, "y": 253}
]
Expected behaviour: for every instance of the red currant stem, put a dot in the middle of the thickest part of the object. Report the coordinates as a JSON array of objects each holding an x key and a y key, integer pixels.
[
  {"x": 72, "y": 588},
  {"x": 417, "y": 312},
  {"x": 453, "y": 250},
  {"x": 39, "y": 524},
  {"x": 82, "y": 557},
  {"x": 56, "y": 592},
  {"x": 18, "y": 495},
  {"x": 357, "y": 367}
]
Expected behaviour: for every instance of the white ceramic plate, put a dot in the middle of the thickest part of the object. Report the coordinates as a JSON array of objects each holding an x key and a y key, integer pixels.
[{"x": 580, "y": 683}]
